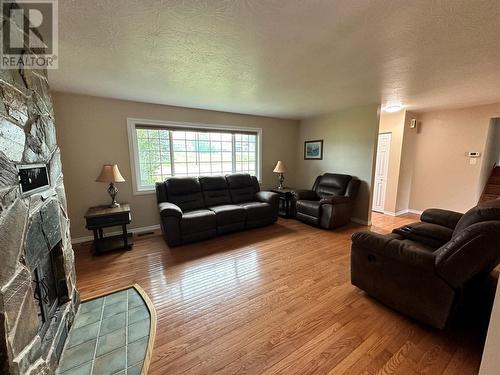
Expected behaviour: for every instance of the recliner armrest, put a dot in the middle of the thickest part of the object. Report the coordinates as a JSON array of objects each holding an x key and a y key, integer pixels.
[
  {"x": 170, "y": 209},
  {"x": 438, "y": 216},
  {"x": 309, "y": 195},
  {"x": 433, "y": 235},
  {"x": 335, "y": 199},
  {"x": 403, "y": 251},
  {"x": 267, "y": 196},
  {"x": 471, "y": 252}
]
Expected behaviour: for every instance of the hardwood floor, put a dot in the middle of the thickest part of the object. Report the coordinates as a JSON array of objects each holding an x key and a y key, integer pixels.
[{"x": 274, "y": 300}]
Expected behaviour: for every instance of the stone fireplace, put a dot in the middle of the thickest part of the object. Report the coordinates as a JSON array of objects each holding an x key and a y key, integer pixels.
[{"x": 38, "y": 298}]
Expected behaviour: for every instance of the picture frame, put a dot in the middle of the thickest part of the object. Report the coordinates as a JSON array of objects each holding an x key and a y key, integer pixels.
[
  {"x": 313, "y": 150},
  {"x": 33, "y": 178}
]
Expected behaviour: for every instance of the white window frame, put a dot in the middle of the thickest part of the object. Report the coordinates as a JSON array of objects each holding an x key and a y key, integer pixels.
[{"x": 132, "y": 123}]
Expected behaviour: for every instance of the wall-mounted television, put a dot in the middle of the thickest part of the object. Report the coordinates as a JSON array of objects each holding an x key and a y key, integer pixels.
[{"x": 33, "y": 178}]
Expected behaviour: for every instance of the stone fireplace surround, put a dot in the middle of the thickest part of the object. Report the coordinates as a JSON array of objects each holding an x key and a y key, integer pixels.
[{"x": 31, "y": 228}]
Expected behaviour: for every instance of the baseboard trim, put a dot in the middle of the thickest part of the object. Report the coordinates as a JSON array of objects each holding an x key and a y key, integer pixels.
[
  {"x": 418, "y": 212},
  {"x": 137, "y": 230},
  {"x": 402, "y": 212},
  {"x": 360, "y": 221}
]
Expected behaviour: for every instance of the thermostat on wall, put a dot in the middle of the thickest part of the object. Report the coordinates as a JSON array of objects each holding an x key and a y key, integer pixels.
[{"x": 474, "y": 154}]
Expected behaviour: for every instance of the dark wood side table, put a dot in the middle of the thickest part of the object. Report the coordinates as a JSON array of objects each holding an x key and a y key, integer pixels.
[
  {"x": 286, "y": 197},
  {"x": 100, "y": 217}
]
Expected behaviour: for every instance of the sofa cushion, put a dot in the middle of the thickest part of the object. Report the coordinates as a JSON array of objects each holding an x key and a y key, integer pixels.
[
  {"x": 241, "y": 187},
  {"x": 185, "y": 192},
  {"x": 215, "y": 190},
  {"x": 305, "y": 194},
  {"x": 332, "y": 184},
  {"x": 257, "y": 210},
  {"x": 311, "y": 208},
  {"x": 198, "y": 221},
  {"x": 489, "y": 210},
  {"x": 228, "y": 214}
]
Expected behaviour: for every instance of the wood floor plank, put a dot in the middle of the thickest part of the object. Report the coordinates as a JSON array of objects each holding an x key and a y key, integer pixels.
[
  {"x": 398, "y": 363},
  {"x": 273, "y": 300}
]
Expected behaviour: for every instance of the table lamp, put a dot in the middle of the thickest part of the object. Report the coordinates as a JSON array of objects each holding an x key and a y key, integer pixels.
[
  {"x": 110, "y": 173},
  {"x": 280, "y": 169}
]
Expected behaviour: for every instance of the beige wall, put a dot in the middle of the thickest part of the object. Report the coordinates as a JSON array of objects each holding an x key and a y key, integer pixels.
[
  {"x": 442, "y": 175},
  {"x": 349, "y": 145},
  {"x": 93, "y": 131},
  {"x": 407, "y": 163},
  {"x": 393, "y": 123}
]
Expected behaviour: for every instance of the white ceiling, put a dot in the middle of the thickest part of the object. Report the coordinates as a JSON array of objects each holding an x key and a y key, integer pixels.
[{"x": 286, "y": 58}]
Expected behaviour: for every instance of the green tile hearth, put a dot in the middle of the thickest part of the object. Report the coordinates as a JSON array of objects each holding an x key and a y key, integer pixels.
[{"x": 109, "y": 336}]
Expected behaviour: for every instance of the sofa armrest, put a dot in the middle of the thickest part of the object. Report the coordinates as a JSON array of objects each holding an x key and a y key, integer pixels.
[
  {"x": 268, "y": 197},
  {"x": 438, "y": 216},
  {"x": 309, "y": 195},
  {"x": 403, "y": 251},
  {"x": 170, "y": 209},
  {"x": 335, "y": 199}
]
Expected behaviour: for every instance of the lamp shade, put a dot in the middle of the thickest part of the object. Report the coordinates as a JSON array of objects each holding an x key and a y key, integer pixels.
[
  {"x": 280, "y": 167},
  {"x": 110, "y": 173}
]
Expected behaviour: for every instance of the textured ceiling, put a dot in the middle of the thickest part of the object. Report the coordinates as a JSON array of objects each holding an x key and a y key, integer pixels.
[{"x": 286, "y": 58}]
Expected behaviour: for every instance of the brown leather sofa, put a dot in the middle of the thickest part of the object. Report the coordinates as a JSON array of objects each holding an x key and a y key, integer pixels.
[
  {"x": 329, "y": 203},
  {"x": 422, "y": 269},
  {"x": 193, "y": 209}
]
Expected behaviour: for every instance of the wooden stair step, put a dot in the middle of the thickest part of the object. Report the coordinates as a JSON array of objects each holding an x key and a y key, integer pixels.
[
  {"x": 488, "y": 197},
  {"x": 492, "y": 189},
  {"x": 494, "y": 180}
]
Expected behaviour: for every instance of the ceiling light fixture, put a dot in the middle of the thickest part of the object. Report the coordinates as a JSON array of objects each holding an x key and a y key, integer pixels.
[{"x": 393, "y": 108}]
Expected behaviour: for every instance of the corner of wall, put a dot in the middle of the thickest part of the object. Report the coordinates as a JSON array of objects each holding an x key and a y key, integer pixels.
[{"x": 350, "y": 137}]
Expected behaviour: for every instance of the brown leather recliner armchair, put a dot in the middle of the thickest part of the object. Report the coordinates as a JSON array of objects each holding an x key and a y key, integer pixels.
[
  {"x": 421, "y": 269},
  {"x": 329, "y": 203}
]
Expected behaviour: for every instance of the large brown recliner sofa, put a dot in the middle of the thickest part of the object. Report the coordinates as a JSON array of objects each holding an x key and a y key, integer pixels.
[
  {"x": 423, "y": 268},
  {"x": 194, "y": 209},
  {"x": 329, "y": 203}
]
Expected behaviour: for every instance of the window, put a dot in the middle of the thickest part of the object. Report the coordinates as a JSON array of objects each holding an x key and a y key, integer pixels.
[{"x": 163, "y": 150}]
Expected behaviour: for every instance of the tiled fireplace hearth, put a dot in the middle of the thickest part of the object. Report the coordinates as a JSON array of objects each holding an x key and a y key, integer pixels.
[{"x": 38, "y": 299}]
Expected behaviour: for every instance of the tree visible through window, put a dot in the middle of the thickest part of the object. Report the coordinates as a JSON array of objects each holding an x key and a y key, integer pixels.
[{"x": 166, "y": 152}]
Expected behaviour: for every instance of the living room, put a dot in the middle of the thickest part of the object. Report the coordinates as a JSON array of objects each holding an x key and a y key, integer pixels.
[{"x": 259, "y": 187}]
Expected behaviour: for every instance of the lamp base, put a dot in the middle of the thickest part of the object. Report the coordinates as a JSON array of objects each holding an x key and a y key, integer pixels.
[
  {"x": 113, "y": 191},
  {"x": 281, "y": 179}
]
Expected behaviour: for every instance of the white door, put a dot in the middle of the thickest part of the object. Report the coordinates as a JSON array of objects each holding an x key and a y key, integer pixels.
[{"x": 381, "y": 168}]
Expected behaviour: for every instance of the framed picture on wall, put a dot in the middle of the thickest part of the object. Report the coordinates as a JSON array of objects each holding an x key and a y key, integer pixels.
[
  {"x": 33, "y": 178},
  {"x": 313, "y": 150}
]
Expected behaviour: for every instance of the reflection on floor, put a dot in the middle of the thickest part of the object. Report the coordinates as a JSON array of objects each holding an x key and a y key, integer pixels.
[
  {"x": 109, "y": 336},
  {"x": 275, "y": 300}
]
